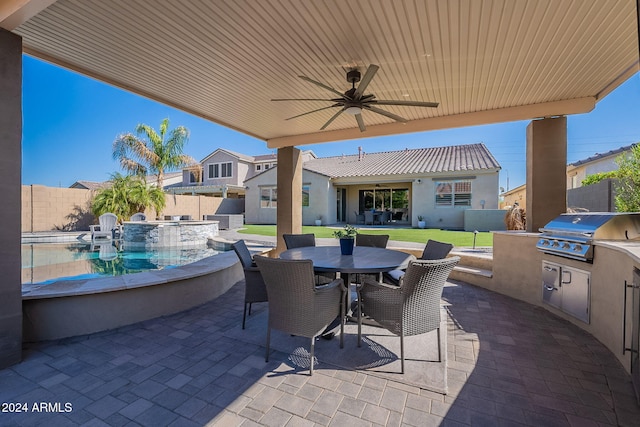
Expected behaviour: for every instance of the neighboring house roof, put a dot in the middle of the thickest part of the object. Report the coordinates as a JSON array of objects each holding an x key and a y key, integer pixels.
[
  {"x": 264, "y": 157},
  {"x": 599, "y": 156},
  {"x": 151, "y": 179},
  {"x": 229, "y": 152},
  {"x": 455, "y": 158},
  {"x": 89, "y": 185}
]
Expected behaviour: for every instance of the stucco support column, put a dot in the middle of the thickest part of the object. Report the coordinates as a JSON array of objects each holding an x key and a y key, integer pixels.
[
  {"x": 10, "y": 214},
  {"x": 289, "y": 211},
  {"x": 546, "y": 171}
]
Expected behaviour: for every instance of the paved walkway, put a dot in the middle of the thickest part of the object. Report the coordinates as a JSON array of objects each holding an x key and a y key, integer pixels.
[{"x": 510, "y": 364}]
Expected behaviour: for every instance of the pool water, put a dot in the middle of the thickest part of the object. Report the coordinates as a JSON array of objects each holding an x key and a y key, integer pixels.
[{"x": 44, "y": 263}]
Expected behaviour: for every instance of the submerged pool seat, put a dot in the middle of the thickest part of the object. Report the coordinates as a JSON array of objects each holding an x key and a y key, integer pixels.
[{"x": 107, "y": 227}]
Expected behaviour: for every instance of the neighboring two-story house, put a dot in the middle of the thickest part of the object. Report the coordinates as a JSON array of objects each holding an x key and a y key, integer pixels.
[{"x": 223, "y": 173}]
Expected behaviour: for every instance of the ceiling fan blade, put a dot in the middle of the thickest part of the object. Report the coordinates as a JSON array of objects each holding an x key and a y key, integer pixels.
[
  {"x": 306, "y": 99},
  {"x": 335, "y": 116},
  {"x": 366, "y": 79},
  {"x": 407, "y": 103},
  {"x": 322, "y": 85},
  {"x": 313, "y": 111},
  {"x": 360, "y": 122},
  {"x": 385, "y": 113}
]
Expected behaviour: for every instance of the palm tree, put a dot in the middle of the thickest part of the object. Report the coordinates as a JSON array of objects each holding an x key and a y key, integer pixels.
[
  {"x": 127, "y": 195},
  {"x": 150, "y": 152}
]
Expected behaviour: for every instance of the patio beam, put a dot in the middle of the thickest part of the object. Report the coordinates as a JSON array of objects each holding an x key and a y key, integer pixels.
[
  {"x": 14, "y": 13},
  {"x": 524, "y": 112}
]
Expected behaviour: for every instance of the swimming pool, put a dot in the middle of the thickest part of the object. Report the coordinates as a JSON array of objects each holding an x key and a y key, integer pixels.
[{"x": 45, "y": 263}]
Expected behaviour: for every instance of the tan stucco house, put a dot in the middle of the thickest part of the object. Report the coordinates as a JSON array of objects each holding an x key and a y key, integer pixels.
[
  {"x": 515, "y": 195},
  {"x": 437, "y": 183},
  {"x": 600, "y": 162}
]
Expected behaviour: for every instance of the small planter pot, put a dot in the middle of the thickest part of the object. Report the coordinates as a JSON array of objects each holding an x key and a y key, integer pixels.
[
  {"x": 346, "y": 246},
  {"x": 318, "y": 222},
  {"x": 422, "y": 224}
]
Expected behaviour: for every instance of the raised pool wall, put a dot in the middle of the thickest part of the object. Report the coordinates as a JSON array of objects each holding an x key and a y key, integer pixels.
[
  {"x": 70, "y": 308},
  {"x": 140, "y": 235}
]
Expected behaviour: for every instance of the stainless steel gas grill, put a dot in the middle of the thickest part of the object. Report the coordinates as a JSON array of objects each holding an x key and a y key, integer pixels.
[{"x": 572, "y": 235}]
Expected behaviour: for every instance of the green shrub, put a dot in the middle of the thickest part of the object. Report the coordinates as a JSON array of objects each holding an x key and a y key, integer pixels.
[{"x": 597, "y": 177}]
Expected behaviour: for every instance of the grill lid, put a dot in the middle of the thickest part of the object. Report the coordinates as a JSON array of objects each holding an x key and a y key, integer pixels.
[{"x": 595, "y": 225}]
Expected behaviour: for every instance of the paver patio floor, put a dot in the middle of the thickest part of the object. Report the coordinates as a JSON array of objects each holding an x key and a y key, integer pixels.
[{"x": 510, "y": 364}]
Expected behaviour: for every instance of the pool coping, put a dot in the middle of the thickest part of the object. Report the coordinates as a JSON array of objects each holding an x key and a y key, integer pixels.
[{"x": 66, "y": 288}]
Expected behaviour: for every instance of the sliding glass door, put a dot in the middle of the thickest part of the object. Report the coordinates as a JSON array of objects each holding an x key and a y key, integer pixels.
[{"x": 394, "y": 200}]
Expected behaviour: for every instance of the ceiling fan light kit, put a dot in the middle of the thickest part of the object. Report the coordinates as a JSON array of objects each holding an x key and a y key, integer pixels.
[
  {"x": 353, "y": 110},
  {"x": 353, "y": 101}
]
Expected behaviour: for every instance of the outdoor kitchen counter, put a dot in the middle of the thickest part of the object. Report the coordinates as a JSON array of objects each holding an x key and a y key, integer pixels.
[{"x": 629, "y": 247}]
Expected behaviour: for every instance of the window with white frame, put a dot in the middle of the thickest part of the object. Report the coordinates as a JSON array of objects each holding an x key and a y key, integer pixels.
[
  {"x": 453, "y": 193},
  {"x": 258, "y": 168},
  {"x": 221, "y": 170},
  {"x": 268, "y": 197},
  {"x": 193, "y": 177}
]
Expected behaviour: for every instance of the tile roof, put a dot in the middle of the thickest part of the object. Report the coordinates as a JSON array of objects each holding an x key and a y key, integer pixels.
[
  {"x": 90, "y": 185},
  {"x": 599, "y": 156},
  {"x": 455, "y": 158},
  {"x": 262, "y": 157}
]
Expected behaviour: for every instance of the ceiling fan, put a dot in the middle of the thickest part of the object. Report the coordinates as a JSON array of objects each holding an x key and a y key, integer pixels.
[{"x": 353, "y": 101}]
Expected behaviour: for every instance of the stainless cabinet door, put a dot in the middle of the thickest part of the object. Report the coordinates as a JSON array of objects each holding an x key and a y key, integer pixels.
[{"x": 576, "y": 292}]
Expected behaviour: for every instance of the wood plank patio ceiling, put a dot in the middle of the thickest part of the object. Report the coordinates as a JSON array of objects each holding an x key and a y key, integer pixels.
[{"x": 484, "y": 61}]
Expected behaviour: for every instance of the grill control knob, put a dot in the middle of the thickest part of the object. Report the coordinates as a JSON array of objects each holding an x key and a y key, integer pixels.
[
  {"x": 577, "y": 248},
  {"x": 555, "y": 244}
]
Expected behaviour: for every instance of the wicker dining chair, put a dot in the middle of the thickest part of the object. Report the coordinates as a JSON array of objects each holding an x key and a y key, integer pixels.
[
  {"x": 293, "y": 241},
  {"x": 372, "y": 240},
  {"x": 432, "y": 250},
  {"x": 254, "y": 289},
  {"x": 296, "y": 305},
  {"x": 413, "y": 308}
]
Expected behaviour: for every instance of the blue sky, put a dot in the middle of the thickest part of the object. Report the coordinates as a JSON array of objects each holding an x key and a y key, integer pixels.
[{"x": 70, "y": 122}]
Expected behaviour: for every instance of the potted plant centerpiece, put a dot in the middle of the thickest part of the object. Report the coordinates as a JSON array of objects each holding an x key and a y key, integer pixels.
[
  {"x": 421, "y": 222},
  {"x": 347, "y": 238}
]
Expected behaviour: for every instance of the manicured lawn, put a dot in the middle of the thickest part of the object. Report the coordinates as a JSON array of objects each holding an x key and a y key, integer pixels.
[{"x": 457, "y": 238}]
